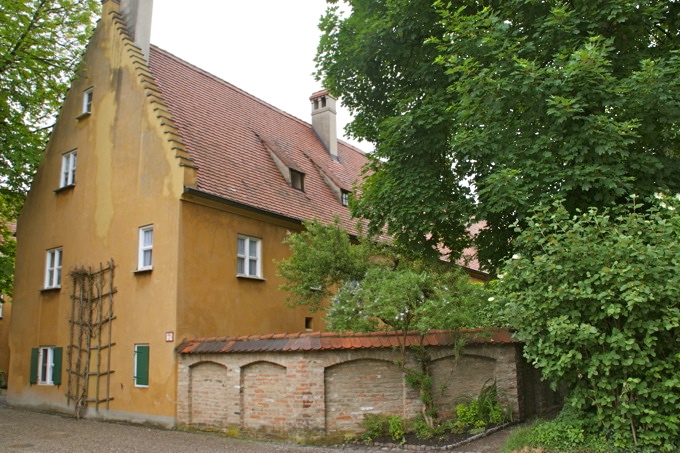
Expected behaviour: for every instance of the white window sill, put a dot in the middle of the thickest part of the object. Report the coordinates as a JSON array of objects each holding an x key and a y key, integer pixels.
[
  {"x": 146, "y": 270},
  {"x": 50, "y": 289},
  {"x": 65, "y": 188},
  {"x": 250, "y": 277},
  {"x": 83, "y": 115}
]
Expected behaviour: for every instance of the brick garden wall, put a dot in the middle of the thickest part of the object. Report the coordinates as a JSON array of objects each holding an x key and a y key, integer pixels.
[{"x": 312, "y": 392}]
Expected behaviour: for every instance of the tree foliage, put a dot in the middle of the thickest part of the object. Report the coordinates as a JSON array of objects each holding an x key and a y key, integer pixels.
[
  {"x": 371, "y": 286},
  {"x": 41, "y": 42},
  {"x": 484, "y": 110},
  {"x": 596, "y": 296}
]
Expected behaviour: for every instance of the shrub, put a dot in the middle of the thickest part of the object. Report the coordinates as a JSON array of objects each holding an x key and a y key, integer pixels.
[
  {"x": 374, "y": 425},
  {"x": 594, "y": 297},
  {"x": 379, "y": 425},
  {"x": 567, "y": 433},
  {"x": 481, "y": 411}
]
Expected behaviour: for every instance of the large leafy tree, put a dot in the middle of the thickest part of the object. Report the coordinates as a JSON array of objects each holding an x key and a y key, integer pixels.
[
  {"x": 41, "y": 42},
  {"x": 480, "y": 111}
]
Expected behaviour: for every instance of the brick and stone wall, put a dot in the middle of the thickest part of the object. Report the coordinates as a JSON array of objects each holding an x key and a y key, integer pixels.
[{"x": 308, "y": 391}]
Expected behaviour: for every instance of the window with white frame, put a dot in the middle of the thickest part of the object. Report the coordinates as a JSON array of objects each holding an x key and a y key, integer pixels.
[
  {"x": 145, "y": 255},
  {"x": 53, "y": 268},
  {"x": 68, "y": 169},
  {"x": 249, "y": 259},
  {"x": 87, "y": 100},
  {"x": 46, "y": 365}
]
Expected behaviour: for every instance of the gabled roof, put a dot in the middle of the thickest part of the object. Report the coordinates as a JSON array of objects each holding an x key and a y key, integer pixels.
[
  {"x": 229, "y": 135},
  {"x": 338, "y": 341}
]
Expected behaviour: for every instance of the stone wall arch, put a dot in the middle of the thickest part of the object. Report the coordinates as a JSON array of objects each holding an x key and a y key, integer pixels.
[
  {"x": 457, "y": 381},
  {"x": 208, "y": 394},
  {"x": 264, "y": 396},
  {"x": 357, "y": 387}
]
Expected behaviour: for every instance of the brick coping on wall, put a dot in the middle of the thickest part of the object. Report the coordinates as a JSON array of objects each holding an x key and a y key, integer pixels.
[{"x": 323, "y": 341}]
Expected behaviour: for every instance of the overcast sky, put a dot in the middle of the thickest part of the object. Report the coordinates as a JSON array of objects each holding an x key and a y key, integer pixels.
[{"x": 265, "y": 47}]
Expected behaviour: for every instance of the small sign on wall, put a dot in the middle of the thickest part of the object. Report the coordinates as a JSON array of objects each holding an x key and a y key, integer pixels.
[{"x": 169, "y": 337}]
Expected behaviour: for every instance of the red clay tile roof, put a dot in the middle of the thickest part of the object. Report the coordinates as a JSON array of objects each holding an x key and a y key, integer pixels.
[
  {"x": 337, "y": 341},
  {"x": 227, "y": 132}
]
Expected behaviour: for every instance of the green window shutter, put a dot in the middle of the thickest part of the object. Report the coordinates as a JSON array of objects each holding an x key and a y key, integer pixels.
[
  {"x": 56, "y": 368},
  {"x": 34, "y": 365},
  {"x": 142, "y": 364}
]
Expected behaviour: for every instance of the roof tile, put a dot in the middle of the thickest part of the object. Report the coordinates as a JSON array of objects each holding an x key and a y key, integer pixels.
[
  {"x": 338, "y": 341},
  {"x": 225, "y": 128}
]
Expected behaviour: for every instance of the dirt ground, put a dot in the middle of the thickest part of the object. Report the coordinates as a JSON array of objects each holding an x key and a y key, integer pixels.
[{"x": 27, "y": 431}]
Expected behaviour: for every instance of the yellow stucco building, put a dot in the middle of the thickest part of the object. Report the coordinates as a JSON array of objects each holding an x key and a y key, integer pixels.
[{"x": 157, "y": 214}]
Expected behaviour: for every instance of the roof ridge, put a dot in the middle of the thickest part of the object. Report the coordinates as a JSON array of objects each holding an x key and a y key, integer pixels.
[
  {"x": 317, "y": 341},
  {"x": 245, "y": 93}
]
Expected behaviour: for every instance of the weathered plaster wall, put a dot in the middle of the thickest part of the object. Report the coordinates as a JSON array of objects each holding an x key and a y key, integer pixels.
[
  {"x": 127, "y": 176},
  {"x": 4, "y": 337},
  {"x": 213, "y": 301}
]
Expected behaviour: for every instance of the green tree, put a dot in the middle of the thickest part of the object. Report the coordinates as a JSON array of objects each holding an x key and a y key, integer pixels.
[
  {"x": 372, "y": 287},
  {"x": 480, "y": 111},
  {"x": 41, "y": 42},
  {"x": 595, "y": 297}
]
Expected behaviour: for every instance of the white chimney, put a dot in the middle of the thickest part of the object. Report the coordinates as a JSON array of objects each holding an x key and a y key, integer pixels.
[
  {"x": 324, "y": 121},
  {"x": 137, "y": 14}
]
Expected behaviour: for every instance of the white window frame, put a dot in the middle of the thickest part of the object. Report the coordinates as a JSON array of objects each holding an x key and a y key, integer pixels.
[
  {"x": 53, "y": 264},
  {"x": 87, "y": 101},
  {"x": 245, "y": 259},
  {"x": 145, "y": 249},
  {"x": 46, "y": 365},
  {"x": 1, "y": 305},
  {"x": 68, "y": 169}
]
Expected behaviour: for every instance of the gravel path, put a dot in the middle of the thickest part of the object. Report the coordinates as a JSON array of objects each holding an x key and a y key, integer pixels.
[{"x": 27, "y": 431}]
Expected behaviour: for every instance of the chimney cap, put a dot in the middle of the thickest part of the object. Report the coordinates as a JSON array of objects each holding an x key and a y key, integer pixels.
[{"x": 319, "y": 94}]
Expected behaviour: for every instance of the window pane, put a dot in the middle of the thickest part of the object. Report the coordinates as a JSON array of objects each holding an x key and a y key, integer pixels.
[
  {"x": 241, "y": 265},
  {"x": 252, "y": 267},
  {"x": 252, "y": 248},
  {"x": 148, "y": 237},
  {"x": 241, "y": 246},
  {"x": 147, "y": 258},
  {"x": 58, "y": 253},
  {"x": 44, "y": 365}
]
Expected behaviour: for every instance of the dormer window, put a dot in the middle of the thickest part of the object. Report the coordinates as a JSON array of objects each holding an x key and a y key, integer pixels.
[
  {"x": 87, "y": 101},
  {"x": 344, "y": 197},
  {"x": 297, "y": 180}
]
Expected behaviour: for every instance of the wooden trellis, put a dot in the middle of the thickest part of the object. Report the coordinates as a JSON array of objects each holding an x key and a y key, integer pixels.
[{"x": 89, "y": 352}]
